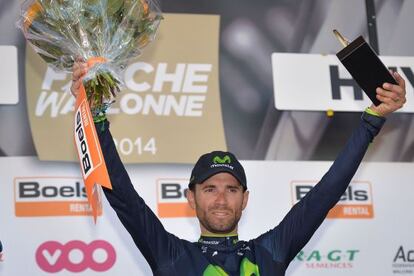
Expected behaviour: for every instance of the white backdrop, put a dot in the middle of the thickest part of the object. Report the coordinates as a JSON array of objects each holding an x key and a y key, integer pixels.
[
  {"x": 8, "y": 75},
  {"x": 38, "y": 234},
  {"x": 304, "y": 82}
]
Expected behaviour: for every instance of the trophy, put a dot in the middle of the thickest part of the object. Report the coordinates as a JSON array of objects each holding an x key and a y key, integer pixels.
[{"x": 364, "y": 65}]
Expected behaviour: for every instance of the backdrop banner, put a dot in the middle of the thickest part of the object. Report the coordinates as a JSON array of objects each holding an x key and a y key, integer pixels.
[
  {"x": 320, "y": 82},
  {"x": 171, "y": 96},
  {"x": 45, "y": 219}
]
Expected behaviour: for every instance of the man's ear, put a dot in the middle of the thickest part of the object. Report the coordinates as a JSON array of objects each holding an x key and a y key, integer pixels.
[
  {"x": 245, "y": 199},
  {"x": 191, "y": 198}
]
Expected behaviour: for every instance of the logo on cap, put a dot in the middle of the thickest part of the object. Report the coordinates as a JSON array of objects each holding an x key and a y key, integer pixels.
[
  {"x": 219, "y": 160},
  {"x": 222, "y": 162}
]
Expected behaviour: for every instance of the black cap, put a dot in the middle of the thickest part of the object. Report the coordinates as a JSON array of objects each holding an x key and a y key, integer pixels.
[{"x": 216, "y": 162}]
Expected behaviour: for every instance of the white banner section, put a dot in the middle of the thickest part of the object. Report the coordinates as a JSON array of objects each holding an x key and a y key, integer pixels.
[
  {"x": 8, "y": 75},
  {"x": 44, "y": 229},
  {"x": 314, "y": 82}
]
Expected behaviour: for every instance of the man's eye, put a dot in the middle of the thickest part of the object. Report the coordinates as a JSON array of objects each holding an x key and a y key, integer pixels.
[
  {"x": 233, "y": 190},
  {"x": 209, "y": 190}
]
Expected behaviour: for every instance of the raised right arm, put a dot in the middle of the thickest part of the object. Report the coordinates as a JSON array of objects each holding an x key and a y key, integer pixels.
[{"x": 157, "y": 245}]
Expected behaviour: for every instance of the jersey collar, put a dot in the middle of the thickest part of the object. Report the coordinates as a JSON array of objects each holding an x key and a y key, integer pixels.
[{"x": 219, "y": 240}]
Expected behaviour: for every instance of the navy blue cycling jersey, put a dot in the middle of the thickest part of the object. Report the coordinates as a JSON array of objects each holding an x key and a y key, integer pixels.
[{"x": 268, "y": 254}]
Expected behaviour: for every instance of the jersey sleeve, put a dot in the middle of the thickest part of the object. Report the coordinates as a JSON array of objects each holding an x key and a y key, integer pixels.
[
  {"x": 159, "y": 247},
  {"x": 298, "y": 226}
]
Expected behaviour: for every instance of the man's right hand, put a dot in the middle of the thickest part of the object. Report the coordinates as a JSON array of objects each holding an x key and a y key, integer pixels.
[{"x": 79, "y": 70}]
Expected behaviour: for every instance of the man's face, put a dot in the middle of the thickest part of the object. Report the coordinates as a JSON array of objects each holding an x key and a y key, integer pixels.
[{"x": 219, "y": 202}]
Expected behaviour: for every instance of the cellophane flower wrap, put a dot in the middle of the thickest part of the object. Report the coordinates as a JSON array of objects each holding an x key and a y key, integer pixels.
[{"x": 104, "y": 33}]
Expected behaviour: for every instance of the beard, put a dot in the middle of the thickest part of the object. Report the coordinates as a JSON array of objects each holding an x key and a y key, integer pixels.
[{"x": 219, "y": 225}]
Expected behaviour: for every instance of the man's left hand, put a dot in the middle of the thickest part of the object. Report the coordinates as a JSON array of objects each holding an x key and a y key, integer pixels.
[{"x": 392, "y": 96}]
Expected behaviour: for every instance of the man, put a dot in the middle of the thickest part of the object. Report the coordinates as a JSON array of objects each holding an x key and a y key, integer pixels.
[{"x": 218, "y": 193}]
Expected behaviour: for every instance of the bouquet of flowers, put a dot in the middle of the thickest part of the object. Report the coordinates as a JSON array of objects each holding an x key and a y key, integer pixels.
[{"x": 104, "y": 33}]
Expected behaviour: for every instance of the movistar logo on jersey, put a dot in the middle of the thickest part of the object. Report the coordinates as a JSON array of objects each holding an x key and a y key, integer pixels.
[
  {"x": 218, "y": 160},
  {"x": 247, "y": 268},
  {"x": 214, "y": 270}
]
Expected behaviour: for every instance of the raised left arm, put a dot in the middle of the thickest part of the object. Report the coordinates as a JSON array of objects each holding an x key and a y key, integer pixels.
[{"x": 298, "y": 226}]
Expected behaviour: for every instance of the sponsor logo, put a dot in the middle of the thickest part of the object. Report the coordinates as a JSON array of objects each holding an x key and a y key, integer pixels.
[
  {"x": 219, "y": 160},
  {"x": 221, "y": 165},
  {"x": 81, "y": 141},
  {"x": 75, "y": 256},
  {"x": 403, "y": 263},
  {"x": 328, "y": 259},
  {"x": 356, "y": 202},
  {"x": 171, "y": 198},
  {"x": 208, "y": 242},
  {"x": 50, "y": 196},
  {"x": 246, "y": 268}
]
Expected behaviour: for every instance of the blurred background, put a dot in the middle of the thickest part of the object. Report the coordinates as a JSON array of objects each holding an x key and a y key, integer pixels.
[{"x": 250, "y": 31}]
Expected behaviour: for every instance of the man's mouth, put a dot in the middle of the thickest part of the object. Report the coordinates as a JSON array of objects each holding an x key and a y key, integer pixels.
[{"x": 221, "y": 213}]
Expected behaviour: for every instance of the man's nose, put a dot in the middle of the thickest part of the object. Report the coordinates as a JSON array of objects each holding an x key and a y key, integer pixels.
[{"x": 221, "y": 198}]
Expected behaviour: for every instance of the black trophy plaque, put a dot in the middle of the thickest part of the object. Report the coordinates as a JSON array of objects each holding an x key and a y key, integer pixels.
[{"x": 364, "y": 66}]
